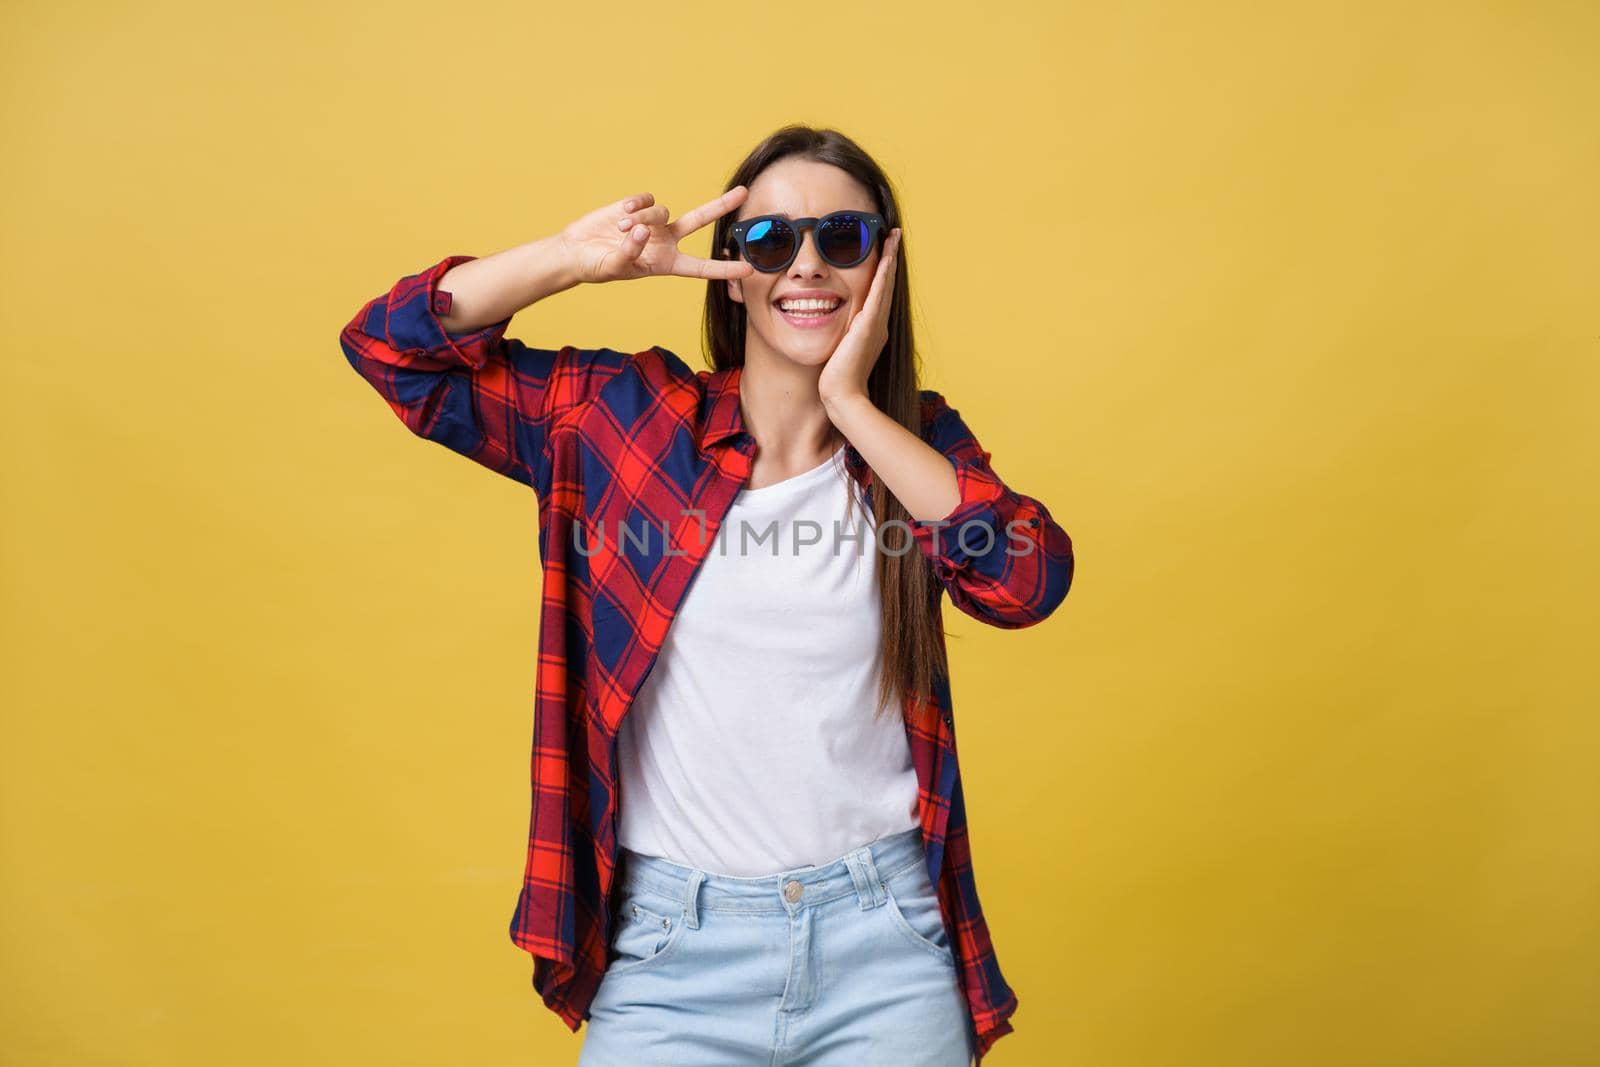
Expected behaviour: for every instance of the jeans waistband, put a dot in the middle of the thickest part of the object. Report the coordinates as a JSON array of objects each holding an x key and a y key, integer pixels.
[{"x": 858, "y": 872}]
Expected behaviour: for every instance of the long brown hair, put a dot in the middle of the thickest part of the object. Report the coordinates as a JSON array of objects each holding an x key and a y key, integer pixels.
[{"x": 912, "y": 646}]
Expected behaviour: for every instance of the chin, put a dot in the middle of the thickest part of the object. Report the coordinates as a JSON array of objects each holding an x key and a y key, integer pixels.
[
  {"x": 814, "y": 358},
  {"x": 808, "y": 351}
]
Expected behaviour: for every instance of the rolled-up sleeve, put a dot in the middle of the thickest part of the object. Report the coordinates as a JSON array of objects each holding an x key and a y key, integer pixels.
[
  {"x": 480, "y": 394},
  {"x": 999, "y": 554}
]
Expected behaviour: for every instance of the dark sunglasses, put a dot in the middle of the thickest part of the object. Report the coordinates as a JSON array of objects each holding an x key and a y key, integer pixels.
[{"x": 769, "y": 243}]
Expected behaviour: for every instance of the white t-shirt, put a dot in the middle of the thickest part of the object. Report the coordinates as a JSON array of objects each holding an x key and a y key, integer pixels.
[{"x": 752, "y": 746}]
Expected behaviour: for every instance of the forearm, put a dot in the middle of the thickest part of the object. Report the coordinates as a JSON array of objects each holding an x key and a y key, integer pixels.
[
  {"x": 495, "y": 287},
  {"x": 919, "y": 475}
]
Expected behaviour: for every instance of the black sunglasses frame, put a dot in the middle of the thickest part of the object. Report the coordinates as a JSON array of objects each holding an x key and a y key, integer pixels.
[{"x": 738, "y": 233}]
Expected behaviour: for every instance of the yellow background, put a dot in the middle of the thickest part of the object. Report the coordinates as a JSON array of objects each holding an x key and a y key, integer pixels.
[{"x": 1287, "y": 312}]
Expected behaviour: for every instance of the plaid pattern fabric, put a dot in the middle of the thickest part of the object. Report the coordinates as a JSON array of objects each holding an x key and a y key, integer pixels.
[{"x": 635, "y": 459}]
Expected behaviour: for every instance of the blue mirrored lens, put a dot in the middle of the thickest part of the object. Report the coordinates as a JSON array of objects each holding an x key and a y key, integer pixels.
[
  {"x": 842, "y": 239},
  {"x": 769, "y": 243}
]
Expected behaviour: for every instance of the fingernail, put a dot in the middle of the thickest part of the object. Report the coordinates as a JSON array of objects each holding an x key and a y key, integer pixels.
[
  {"x": 623, "y": 224},
  {"x": 627, "y": 205}
]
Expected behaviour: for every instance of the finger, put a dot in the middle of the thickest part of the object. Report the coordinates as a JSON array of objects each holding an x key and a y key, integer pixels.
[
  {"x": 886, "y": 258},
  {"x": 883, "y": 279},
  {"x": 633, "y": 203},
  {"x": 891, "y": 256},
  {"x": 650, "y": 216},
  {"x": 633, "y": 243},
  {"x": 708, "y": 212},
  {"x": 710, "y": 269}
]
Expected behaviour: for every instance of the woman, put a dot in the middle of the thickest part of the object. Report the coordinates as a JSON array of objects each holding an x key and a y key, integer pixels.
[{"x": 748, "y": 839}]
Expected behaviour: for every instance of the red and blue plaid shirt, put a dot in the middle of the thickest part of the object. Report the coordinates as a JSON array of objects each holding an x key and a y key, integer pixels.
[{"x": 611, "y": 440}]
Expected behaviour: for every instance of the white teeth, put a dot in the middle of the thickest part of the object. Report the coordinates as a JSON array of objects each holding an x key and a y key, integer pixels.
[{"x": 809, "y": 305}]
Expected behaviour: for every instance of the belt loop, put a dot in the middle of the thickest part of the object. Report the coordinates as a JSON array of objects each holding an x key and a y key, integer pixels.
[
  {"x": 873, "y": 876},
  {"x": 691, "y": 896},
  {"x": 864, "y": 873}
]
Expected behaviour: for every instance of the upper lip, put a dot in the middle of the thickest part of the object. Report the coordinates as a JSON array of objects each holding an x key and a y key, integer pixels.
[{"x": 808, "y": 294}]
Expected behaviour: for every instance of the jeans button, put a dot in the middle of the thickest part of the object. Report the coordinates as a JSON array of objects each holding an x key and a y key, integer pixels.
[{"x": 792, "y": 891}]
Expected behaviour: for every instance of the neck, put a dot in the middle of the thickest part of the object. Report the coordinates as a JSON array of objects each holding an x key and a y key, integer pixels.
[{"x": 783, "y": 410}]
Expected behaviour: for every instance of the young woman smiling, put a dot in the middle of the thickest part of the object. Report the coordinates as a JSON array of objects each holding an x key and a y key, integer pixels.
[{"x": 748, "y": 839}]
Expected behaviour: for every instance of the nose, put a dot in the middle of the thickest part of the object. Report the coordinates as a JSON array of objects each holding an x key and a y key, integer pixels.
[{"x": 808, "y": 262}]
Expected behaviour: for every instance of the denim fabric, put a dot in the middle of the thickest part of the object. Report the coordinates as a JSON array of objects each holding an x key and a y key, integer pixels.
[{"x": 843, "y": 963}]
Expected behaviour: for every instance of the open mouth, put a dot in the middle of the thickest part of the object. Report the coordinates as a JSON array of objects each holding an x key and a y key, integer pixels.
[{"x": 809, "y": 314}]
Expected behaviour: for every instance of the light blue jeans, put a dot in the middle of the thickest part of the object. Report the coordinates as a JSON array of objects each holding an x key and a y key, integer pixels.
[{"x": 846, "y": 963}]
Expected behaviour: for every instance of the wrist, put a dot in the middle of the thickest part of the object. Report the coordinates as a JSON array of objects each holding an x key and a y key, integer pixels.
[
  {"x": 562, "y": 263},
  {"x": 846, "y": 403}
]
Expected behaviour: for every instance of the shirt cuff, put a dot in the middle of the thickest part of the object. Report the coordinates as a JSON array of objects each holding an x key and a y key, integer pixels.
[
  {"x": 413, "y": 325},
  {"x": 974, "y": 529}
]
